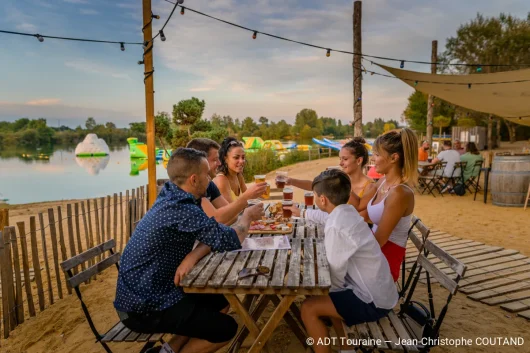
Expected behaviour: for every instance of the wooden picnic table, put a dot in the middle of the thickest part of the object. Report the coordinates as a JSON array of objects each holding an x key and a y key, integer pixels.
[{"x": 302, "y": 270}]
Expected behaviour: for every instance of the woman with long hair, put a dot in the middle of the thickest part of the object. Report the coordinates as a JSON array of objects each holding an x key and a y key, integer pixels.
[
  {"x": 471, "y": 156},
  {"x": 390, "y": 207},
  {"x": 353, "y": 157},
  {"x": 229, "y": 178}
]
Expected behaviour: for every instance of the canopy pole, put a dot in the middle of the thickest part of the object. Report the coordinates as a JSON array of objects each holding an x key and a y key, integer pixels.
[
  {"x": 149, "y": 101},
  {"x": 430, "y": 103},
  {"x": 357, "y": 71}
]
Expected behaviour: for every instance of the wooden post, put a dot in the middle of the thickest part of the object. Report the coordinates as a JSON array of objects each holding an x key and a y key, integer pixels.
[
  {"x": 64, "y": 256},
  {"x": 498, "y": 139},
  {"x": 149, "y": 99},
  {"x": 109, "y": 234},
  {"x": 98, "y": 236},
  {"x": 121, "y": 223},
  {"x": 18, "y": 280},
  {"x": 45, "y": 255},
  {"x": 4, "y": 218},
  {"x": 5, "y": 288},
  {"x": 71, "y": 237},
  {"x": 8, "y": 290},
  {"x": 490, "y": 133},
  {"x": 430, "y": 103},
  {"x": 53, "y": 232},
  {"x": 357, "y": 70},
  {"x": 35, "y": 260},
  {"x": 102, "y": 204},
  {"x": 25, "y": 266}
]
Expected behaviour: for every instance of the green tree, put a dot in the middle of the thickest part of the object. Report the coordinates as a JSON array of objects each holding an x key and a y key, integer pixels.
[
  {"x": 20, "y": 124},
  {"x": 90, "y": 123},
  {"x": 163, "y": 128},
  {"x": 137, "y": 128},
  {"x": 441, "y": 121},
  {"x": 263, "y": 120},
  {"x": 306, "y": 133},
  {"x": 187, "y": 112},
  {"x": 416, "y": 111},
  {"x": 110, "y": 126},
  {"x": 306, "y": 117},
  {"x": 249, "y": 126}
]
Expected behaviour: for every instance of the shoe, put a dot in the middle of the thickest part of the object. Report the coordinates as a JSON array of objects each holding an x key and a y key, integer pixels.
[{"x": 445, "y": 189}]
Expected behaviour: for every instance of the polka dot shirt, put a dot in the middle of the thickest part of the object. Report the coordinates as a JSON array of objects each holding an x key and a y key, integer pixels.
[{"x": 160, "y": 242}]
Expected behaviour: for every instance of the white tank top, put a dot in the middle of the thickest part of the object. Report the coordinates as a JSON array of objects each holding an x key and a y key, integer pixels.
[{"x": 399, "y": 235}]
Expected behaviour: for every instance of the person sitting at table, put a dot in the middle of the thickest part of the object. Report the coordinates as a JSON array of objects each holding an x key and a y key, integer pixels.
[
  {"x": 471, "y": 156},
  {"x": 159, "y": 254},
  {"x": 214, "y": 204},
  {"x": 450, "y": 156},
  {"x": 362, "y": 288},
  {"x": 229, "y": 178},
  {"x": 353, "y": 157},
  {"x": 458, "y": 147},
  {"x": 423, "y": 152}
]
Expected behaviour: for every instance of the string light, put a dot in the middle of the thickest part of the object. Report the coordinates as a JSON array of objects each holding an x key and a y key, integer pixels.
[
  {"x": 255, "y": 35},
  {"x": 155, "y": 16},
  {"x": 146, "y": 43},
  {"x": 402, "y": 61},
  {"x": 39, "y": 37},
  {"x": 328, "y": 53},
  {"x": 122, "y": 46},
  {"x": 402, "y": 64},
  {"x": 182, "y": 10},
  {"x": 141, "y": 62},
  {"x": 415, "y": 83},
  {"x": 162, "y": 36},
  {"x": 479, "y": 69},
  {"x": 359, "y": 99},
  {"x": 469, "y": 85}
]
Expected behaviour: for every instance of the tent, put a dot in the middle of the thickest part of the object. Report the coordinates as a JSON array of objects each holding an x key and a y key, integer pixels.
[{"x": 505, "y": 94}]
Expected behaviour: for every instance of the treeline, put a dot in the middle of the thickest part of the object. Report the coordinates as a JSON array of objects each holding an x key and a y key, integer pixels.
[
  {"x": 186, "y": 122},
  {"x": 36, "y": 133}
]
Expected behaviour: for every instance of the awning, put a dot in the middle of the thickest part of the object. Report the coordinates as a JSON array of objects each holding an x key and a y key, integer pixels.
[{"x": 505, "y": 94}]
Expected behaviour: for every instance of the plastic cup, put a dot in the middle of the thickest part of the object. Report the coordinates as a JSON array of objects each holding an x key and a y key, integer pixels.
[
  {"x": 288, "y": 194},
  {"x": 281, "y": 178},
  {"x": 309, "y": 198},
  {"x": 287, "y": 213},
  {"x": 253, "y": 202},
  {"x": 267, "y": 193},
  {"x": 259, "y": 179},
  {"x": 429, "y": 159}
]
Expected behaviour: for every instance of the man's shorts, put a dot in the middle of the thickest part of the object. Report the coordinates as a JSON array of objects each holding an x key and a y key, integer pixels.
[
  {"x": 195, "y": 316},
  {"x": 353, "y": 310}
]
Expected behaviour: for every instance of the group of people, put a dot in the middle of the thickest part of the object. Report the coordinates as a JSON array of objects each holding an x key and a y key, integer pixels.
[
  {"x": 366, "y": 226},
  {"x": 452, "y": 154}
]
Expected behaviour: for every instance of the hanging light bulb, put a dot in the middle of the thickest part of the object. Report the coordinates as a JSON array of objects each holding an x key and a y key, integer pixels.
[
  {"x": 328, "y": 53},
  {"x": 155, "y": 17},
  {"x": 469, "y": 85},
  {"x": 415, "y": 83},
  {"x": 146, "y": 43},
  {"x": 122, "y": 47},
  {"x": 255, "y": 35},
  {"x": 372, "y": 73},
  {"x": 140, "y": 62},
  {"x": 402, "y": 65},
  {"x": 39, "y": 37},
  {"x": 358, "y": 99},
  {"x": 182, "y": 10},
  {"x": 479, "y": 69},
  {"x": 162, "y": 36}
]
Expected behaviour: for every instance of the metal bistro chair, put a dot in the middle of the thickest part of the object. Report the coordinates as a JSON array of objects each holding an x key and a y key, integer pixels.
[
  {"x": 431, "y": 181},
  {"x": 473, "y": 181}
]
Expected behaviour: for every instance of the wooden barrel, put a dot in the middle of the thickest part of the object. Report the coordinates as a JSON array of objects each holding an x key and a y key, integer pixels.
[{"x": 510, "y": 176}]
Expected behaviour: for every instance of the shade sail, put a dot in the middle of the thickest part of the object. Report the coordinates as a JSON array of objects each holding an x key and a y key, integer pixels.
[{"x": 505, "y": 94}]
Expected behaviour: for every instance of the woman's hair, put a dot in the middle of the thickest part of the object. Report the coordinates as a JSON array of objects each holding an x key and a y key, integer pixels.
[
  {"x": 357, "y": 147},
  {"x": 227, "y": 144},
  {"x": 405, "y": 143},
  {"x": 471, "y": 147}
]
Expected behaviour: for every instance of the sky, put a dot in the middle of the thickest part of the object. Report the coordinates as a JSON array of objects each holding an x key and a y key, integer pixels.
[{"x": 66, "y": 82}]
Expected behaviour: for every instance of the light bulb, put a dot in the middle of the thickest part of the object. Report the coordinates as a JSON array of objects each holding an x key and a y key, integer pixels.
[
  {"x": 155, "y": 16},
  {"x": 162, "y": 36},
  {"x": 415, "y": 83},
  {"x": 402, "y": 65},
  {"x": 146, "y": 43},
  {"x": 255, "y": 35},
  {"x": 122, "y": 47},
  {"x": 182, "y": 11},
  {"x": 328, "y": 53},
  {"x": 40, "y": 38},
  {"x": 140, "y": 62},
  {"x": 469, "y": 85}
]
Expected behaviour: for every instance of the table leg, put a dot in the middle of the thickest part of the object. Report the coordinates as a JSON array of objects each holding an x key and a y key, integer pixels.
[
  {"x": 242, "y": 312},
  {"x": 299, "y": 333},
  {"x": 486, "y": 180},
  {"x": 273, "y": 322},
  {"x": 243, "y": 332}
]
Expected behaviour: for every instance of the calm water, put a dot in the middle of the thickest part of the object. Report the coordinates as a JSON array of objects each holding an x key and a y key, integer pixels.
[{"x": 61, "y": 176}]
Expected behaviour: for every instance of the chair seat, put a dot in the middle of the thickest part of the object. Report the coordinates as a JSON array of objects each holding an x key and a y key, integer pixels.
[
  {"x": 387, "y": 334},
  {"x": 120, "y": 333}
]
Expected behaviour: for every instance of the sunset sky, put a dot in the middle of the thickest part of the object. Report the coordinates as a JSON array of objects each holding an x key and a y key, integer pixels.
[{"x": 66, "y": 82}]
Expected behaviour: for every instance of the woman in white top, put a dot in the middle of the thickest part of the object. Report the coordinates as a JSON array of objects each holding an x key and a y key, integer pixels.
[{"x": 390, "y": 208}]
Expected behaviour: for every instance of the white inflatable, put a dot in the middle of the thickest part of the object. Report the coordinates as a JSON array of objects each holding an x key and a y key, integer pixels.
[
  {"x": 93, "y": 165},
  {"x": 92, "y": 146}
]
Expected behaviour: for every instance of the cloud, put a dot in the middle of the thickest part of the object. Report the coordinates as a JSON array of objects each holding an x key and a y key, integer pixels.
[
  {"x": 201, "y": 89},
  {"x": 124, "y": 5},
  {"x": 45, "y": 101},
  {"x": 26, "y": 27},
  {"x": 88, "y": 12},
  {"x": 90, "y": 67},
  {"x": 76, "y": 1}
]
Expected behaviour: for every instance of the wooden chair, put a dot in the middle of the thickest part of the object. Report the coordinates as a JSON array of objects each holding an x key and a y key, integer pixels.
[
  {"x": 384, "y": 333},
  {"x": 118, "y": 333},
  {"x": 419, "y": 242},
  {"x": 527, "y": 197}
]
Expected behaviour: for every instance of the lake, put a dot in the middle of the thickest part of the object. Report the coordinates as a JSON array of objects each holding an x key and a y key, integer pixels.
[{"x": 35, "y": 176}]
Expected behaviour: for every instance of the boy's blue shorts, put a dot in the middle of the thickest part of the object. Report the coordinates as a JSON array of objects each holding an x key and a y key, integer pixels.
[{"x": 353, "y": 310}]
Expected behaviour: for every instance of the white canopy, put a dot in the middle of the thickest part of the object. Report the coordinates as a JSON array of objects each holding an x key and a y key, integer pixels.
[{"x": 505, "y": 94}]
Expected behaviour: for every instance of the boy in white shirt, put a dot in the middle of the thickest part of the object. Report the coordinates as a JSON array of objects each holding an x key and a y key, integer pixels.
[{"x": 362, "y": 288}]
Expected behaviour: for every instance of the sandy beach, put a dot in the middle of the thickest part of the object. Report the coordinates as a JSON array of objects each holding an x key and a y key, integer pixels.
[{"x": 62, "y": 326}]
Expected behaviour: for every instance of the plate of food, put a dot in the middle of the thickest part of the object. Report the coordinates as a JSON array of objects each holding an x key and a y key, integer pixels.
[{"x": 273, "y": 223}]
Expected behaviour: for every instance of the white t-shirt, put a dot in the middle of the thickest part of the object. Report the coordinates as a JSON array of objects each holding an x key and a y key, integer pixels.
[
  {"x": 355, "y": 259},
  {"x": 451, "y": 157}
]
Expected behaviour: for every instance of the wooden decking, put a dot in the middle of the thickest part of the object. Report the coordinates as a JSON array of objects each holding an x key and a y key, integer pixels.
[{"x": 495, "y": 276}]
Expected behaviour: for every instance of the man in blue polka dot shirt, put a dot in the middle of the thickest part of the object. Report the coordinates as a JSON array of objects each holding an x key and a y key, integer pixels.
[{"x": 160, "y": 253}]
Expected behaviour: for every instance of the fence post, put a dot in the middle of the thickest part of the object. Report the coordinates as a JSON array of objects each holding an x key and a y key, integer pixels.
[
  {"x": 8, "y": 280},
  {"x": 4, "y": 218},
  {"x": 25, "y": 267}
]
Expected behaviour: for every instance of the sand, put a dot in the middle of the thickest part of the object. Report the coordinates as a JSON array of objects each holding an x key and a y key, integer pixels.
[{"x": 62, "y": 327}]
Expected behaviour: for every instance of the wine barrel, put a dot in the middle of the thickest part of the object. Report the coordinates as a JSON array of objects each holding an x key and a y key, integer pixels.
[{"x": 510, "y": 176}]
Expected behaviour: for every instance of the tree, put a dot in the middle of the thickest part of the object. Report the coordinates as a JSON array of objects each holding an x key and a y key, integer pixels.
[
  {"x": 388, "y": 127},
  {"x": 249, "y": 126},
  {"x": 306, "y": 117},
  {"x": 441, "y": 121},
  {"x": 163, "y": 127},
  {"x": 263, "y": 121},
  {"x": 187, "y": 112},
  {"x": 416, "y": 111},
  {"x": 110, "y": 125},
  {"x": 90, "y": 123},
  {"x": 137, "y": 128}
]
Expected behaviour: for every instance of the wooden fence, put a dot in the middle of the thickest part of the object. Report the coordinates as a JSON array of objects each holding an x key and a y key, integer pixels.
[{"x": 31, "y": 252}]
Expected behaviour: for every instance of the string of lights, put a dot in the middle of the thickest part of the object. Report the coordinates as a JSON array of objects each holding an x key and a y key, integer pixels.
[
  {"x": 40, "y": 38},
  {"x": 329, "y": 50}
]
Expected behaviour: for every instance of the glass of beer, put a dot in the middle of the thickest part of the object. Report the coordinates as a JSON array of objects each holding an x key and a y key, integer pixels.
[
  {"x": 309, "y": 198},
  {"x": 287, "y": 213},
  {"x": 281, "y": 178},
  {"x": 429, "y": 160},
  {"x": 253, "y": 202},
  {"x": 259, "y": 179},
  {"x": 267, "y": 193},
  {"x": 288, "y": 194}
]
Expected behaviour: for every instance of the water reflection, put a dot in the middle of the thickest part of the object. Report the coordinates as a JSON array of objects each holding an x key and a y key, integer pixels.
[{"x": 93, "y": 164}]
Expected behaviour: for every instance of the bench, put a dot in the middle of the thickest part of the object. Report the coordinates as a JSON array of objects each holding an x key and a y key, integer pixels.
[
  {"x": 118, "y": 333},
  {"x": 398, "y": 332}
]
